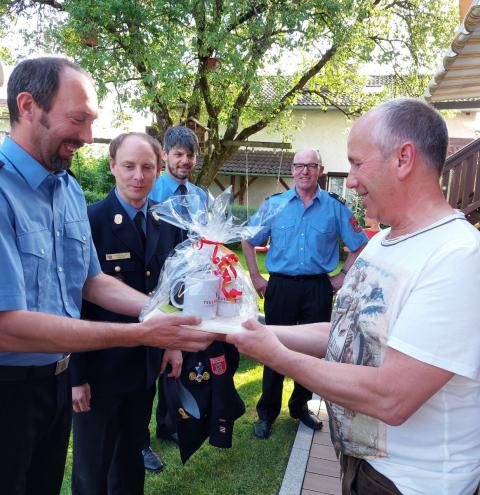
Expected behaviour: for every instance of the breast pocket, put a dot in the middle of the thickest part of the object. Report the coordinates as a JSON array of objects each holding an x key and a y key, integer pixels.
[
  {"x": 282, "y": 234},
  {"x": 76, "y": 254},
  {"x": 323, "y": 239},
  {"x": 36, "y": 255}
]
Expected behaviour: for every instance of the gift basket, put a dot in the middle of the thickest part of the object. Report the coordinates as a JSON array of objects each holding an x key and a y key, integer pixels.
[{"x": 202, "y": 277}]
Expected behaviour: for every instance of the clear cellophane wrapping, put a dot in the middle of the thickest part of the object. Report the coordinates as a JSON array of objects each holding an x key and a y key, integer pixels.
[{"x": 203, "y": 254}]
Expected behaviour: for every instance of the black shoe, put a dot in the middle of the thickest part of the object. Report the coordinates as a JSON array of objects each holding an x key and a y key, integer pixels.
[
  {"x": 152, "y": 461},
  {"x": 169, "y": 436},
  {"x": 262, "y": 429},
  {"x": 308, "y": 419}
]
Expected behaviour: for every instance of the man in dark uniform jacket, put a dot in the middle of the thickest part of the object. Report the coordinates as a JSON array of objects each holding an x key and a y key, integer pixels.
[{"x": 113, "y": 389}]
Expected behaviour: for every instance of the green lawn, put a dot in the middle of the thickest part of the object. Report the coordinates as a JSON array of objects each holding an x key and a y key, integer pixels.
[{"x": 250, "y": 467}]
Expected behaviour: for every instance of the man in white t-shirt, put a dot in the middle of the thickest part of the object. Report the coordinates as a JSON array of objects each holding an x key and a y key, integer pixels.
[{"x": 401, "y": 374}]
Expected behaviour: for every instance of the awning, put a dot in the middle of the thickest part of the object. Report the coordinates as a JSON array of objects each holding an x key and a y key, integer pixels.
[{"x": 457, "y": 83}]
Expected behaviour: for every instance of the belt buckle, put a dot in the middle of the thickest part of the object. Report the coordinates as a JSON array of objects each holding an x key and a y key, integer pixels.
[{"x": 62, "y": 365}]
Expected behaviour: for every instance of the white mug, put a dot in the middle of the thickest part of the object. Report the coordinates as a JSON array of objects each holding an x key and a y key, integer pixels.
[
  {"x": 199, "y": 297},
  {"x": 228, "y": 308}
]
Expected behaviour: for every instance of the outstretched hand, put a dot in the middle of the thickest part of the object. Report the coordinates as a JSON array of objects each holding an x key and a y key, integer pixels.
[
  {"x": 175, "y": 332},
  {"x": 259, "y": 343}
]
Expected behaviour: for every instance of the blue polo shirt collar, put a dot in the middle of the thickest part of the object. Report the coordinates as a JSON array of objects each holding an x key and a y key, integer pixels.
[
  {"x": 292, "y": 193},
  {"x": 171, "y": 183},
  {"x": 31, "y": 170}
]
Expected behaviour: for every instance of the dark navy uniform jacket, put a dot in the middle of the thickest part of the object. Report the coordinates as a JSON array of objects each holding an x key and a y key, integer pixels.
[
  {"x": 121, "y": 254},
  {"x": 208, "y": 376}
]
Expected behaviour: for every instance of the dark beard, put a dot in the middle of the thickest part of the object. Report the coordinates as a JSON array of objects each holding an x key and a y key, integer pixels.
[
  {"x": 174, "y": 174},
  {"x": 57, "y": 164}
]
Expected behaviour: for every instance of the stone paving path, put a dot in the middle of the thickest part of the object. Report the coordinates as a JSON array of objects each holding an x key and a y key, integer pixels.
[{"x": 313, "y": 467}]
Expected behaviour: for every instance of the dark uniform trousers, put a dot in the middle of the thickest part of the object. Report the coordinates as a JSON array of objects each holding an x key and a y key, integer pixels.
[
  {"x": 37, "y": 410},
  {"x": 108, "y": 440},
  {"x": 291, "y": 301}
]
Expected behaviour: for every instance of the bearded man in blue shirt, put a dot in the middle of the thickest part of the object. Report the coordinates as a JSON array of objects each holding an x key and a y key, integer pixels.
[
  {"x": 49, "y": 263},
  {"x": 303, "y": 250}
]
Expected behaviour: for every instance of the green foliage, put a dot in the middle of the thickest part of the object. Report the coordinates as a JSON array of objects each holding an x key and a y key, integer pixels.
[
  {"x": 93, "y": 175},
  {"x": 243, "y": 212},
  {"x": 157, "y": 55}
]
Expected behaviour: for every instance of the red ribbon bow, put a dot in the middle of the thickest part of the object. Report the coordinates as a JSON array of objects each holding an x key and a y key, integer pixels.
[{"x": 225, "y": 269}]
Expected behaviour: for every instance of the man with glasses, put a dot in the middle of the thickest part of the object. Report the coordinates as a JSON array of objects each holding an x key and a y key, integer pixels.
[{"x": 303, "y": 250}]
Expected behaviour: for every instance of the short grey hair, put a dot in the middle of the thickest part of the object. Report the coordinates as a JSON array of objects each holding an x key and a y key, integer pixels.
[{"x": 409, "y": 119}]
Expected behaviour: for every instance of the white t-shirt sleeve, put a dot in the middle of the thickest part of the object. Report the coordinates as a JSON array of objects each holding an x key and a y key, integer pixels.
[{"x": 435, "y": 323}]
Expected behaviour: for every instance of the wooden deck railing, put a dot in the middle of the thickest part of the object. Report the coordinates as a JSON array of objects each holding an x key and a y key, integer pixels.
[{"x": 460, "y": 180}]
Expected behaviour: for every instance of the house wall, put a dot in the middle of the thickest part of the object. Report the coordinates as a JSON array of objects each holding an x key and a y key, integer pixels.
[
  {"x": 463, "y": 124},
  {"x": 325, "y": 131},
  {"x": 260, "y": 189}
]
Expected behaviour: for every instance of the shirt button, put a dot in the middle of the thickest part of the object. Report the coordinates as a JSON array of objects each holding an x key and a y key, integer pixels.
[
  {"x": 117, "y": 268},
  {"x": 147, "y": 273},
  {"x": 60, "y": 269},
  {"x": 302, "y": 234},
  {"x": 150, "y": 293},
  {"x": 301, "y": 249},
  {"x": 84, "y": 237},
  {"x": 42, "y": 251}
]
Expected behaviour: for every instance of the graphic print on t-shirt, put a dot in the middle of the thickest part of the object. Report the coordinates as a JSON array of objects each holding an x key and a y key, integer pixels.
[{"x": 358, "y": 336}]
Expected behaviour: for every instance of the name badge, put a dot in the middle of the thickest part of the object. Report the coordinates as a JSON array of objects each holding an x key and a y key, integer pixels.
[{"x": 118, "y": 256}]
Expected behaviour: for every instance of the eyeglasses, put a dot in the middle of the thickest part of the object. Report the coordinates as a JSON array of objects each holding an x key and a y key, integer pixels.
[{"x": 298, "y": 167}]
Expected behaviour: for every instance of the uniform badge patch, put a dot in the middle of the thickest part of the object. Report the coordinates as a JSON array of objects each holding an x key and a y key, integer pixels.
[
  {"x": 355, "y": 225},
  {"x": 218, "y": 365},
  {"x": 199, "y": 375},
  {"x": 118, "y": 219},
  {"x": 182, "y": 413}
]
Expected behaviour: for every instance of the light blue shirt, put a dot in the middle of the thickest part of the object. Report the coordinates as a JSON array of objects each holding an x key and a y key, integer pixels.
[
  {"x": 131, "y": 211},
  {"x": 304, "y": 241},
  {"x": 166, "y": 186},
  {"x": 46, "y": 245}
]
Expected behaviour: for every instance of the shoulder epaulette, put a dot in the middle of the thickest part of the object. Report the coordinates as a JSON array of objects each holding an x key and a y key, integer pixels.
[
  {"x": 272, "y": 195},
  {"x": 337, "y": 197}
]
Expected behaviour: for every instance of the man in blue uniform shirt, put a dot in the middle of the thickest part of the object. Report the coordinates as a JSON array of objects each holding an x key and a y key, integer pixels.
[
  {"x": 49, "y": 263},
  {"x": 180, "y": 150},
  {"x": 303, "y": 250}
]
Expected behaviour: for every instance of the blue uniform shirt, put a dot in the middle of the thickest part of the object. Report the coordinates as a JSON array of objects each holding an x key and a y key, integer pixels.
[
  {"x": 304, "y": 241},
  {"x": 46, "y": 246},
  {"x": 166, "y": 186}
]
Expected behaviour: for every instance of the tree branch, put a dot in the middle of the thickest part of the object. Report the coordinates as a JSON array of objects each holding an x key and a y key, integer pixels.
[{"x": 314, "y": 70}]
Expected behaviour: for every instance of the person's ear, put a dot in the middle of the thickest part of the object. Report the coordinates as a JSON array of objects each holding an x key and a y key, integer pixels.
[
  {"x": 26, "y": 106},
  {"x": 112, "y": 166},
  {"x": 163, "y": 155},
  {"x": 406, "y": 156}
]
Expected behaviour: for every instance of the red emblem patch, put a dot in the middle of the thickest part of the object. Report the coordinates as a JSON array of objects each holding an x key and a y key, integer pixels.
[
  {"x": 355, "y": 225},
  {"x": 219, "y": 365}
]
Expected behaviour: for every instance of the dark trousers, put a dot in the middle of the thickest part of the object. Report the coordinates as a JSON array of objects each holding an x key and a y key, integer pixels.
[
  {"x": 108, "y": 442},
  {"x": 165, "y": 423},
  {"x": 360, "y": 478},
  {"x": 291, "y": 302},
  {"x": 35, "y": 420}
]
